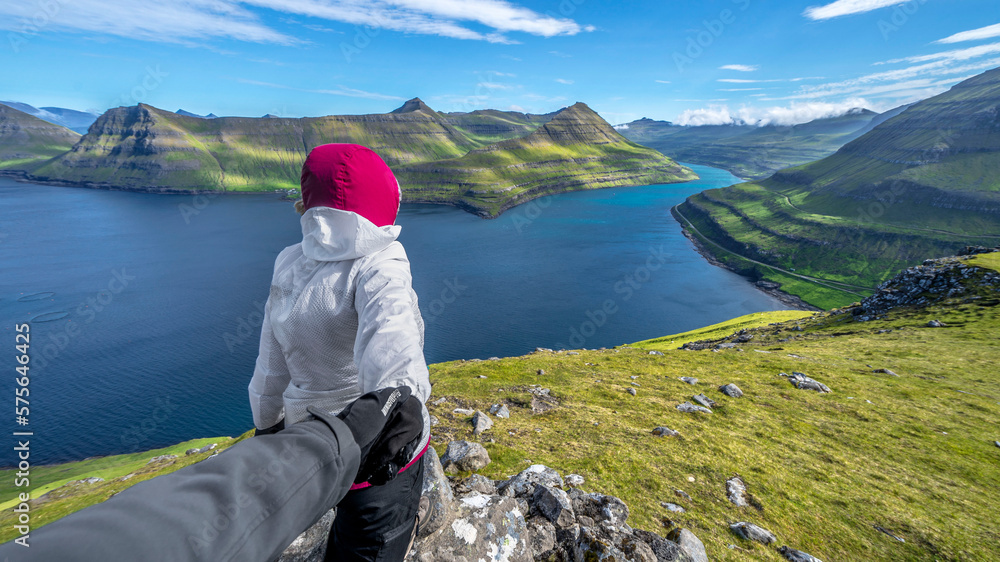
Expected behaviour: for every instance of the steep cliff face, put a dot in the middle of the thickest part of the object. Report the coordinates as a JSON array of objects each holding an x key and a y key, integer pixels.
[
  {"x": 26, "y": 141},
  {"x": 574, "y": 150}
]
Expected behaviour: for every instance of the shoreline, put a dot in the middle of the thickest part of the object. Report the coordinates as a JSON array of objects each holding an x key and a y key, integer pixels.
[{"x": 787, "y": 299}]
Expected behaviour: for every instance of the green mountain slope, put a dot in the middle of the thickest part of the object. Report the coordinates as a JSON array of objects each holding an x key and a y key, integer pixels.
[
  {"x": 490, "y": 125},
  {"x": 485, "y": 161},
  {"x": 574, "y": 150},
  {"x": 27, "y": 141},
  {"x": 925, "y": 182},
  {"x": 748, "y": 151},
  {"x": 911, "y": 452},
  {"x": 146, "y": 148}
]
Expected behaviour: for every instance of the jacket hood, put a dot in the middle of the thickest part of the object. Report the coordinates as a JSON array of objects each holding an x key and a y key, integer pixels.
[
  {"x": 333, "y": 235},
  {"x": 350, "y": 177}
]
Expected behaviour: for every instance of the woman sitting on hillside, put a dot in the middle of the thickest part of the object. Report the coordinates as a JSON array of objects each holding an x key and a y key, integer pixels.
[{"x": 342, "y": 320}]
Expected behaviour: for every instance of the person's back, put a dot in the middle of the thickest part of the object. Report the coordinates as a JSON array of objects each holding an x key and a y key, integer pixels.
[{"x": 342, "y": 320}]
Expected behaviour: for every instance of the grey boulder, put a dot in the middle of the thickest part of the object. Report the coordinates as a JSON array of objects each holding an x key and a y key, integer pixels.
[
  {"x": 464, "y": 455},
  {"x": 752, "y": 532},
  {"x": 731, "y": 390}
]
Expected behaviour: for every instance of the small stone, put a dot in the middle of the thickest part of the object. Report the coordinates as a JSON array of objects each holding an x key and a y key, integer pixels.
[
  {"x": 476, "y": 483},
  {"x": 636, "y": 384},
  {"x": 481, "y": 422},
  {"x": 688, "y": 407},
  {"x": 936, "y": 324},
  {"x": 690, "y": 478},
  {"x": 656, "y": 353},
  {"x": 731, "y": 390},
  {"x": 632, "y": 391},
  {"x": 500, "y": 411},
  {"x": 162, "y": 458},
  {"x": 481, "y": 376},
  {"x": 539, "y": 349},
  {"x": 665, "y": 432},
  {"x": 523, "y": 485},
  {"x": 802, "y": 382},
  {"x": 463, "y": 411},
  {"x": 434, "y": 420},
  {"x": 493, "y": 359},
  {"x": 554, "y": 504},
  {"x": 634, "y": 377},
  {"x": 464, "y": 455},
  {"x": 540, "y": 372},
  {"x": 572, "y": 353},
  {"x": 689, "y": 543},
  {"x": 704, "y": 400},
  {"x": 690, "y": 380},
  {"x": 752, "y": 532},
  {"x": 682, "y": 494},
  {"x": 736, "y": 491},
  {"x": 885, "y": 372},
  {"x": 673, "y": 507},
  {"x": 797, "y": 555},
  {"x": 997, "y": 443},
  {"x": 573, "y": 480},
  {"x": 439, "y": 401}
]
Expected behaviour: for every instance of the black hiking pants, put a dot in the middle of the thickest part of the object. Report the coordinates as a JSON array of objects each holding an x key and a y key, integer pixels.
[{"x": 378, "y": 523}]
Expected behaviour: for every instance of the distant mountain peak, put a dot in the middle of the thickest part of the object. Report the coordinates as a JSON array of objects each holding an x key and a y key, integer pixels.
[
  {"x": 189, "y": 114},
  {"x": 414, "y": 105}
]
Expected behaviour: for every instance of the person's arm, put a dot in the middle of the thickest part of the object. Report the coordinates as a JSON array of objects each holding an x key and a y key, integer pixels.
[
  {"x": 270, "y": 378},
  {"x": 246, "y": 504},
  {"x": 389, "y": 347}
]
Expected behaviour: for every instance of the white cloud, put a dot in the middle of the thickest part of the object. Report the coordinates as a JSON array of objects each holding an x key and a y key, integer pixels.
[
  {"x": 662, "y": 81},
  {"x": 740, "y": 89},
  {"x": 973, "y": 34},
  {"x": 740, "y": 67},
  {"x": 336, "y": 91},
  {"x": 956, "y": 55},
  {"x": 847, "y": 7},
  {"x": 790, "y": 115},
  {"x": 189, "y": 21},
  {"x": 493, "y": 86},
  {"x": 564, "y": 81}
]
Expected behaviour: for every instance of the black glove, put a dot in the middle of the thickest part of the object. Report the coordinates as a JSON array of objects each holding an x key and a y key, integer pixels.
[
  {"x": 273, "y": 429},
  {"x": 387, "y": 425}
]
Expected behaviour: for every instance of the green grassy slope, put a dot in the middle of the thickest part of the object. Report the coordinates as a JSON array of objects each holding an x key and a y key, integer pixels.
[
  {"x": 576, "y": 149},
  {"x": 748, "y": 151},
  {"x": 27, "y": 141},
  {"x": 912, "y": 454},
  {"x": 925, "y": 182}
]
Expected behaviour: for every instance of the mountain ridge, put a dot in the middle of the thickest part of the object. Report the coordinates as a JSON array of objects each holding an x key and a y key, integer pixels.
[
  {"x": 925, "y": 181},
  {"x": 143, "y": 148}
]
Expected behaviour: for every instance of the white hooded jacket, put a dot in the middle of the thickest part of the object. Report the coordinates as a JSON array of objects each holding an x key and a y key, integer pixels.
[{"x": 341, "y": 320}]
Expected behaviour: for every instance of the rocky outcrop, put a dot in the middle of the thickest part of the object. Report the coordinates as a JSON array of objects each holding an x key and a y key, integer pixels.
[
  {"x": 528, "y": 517},
  {"x": 934, "y": 281}
]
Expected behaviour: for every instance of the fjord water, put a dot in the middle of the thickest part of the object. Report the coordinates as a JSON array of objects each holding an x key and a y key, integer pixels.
[{"x": 145, "y": 309}]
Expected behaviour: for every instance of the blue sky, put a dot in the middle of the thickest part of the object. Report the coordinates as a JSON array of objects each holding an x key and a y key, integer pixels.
[{"x": 693, "y": 62}]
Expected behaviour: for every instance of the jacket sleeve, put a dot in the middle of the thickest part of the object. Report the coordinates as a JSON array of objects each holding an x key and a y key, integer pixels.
[
  {"x": 389, "y": 349},
  {"x": 270, "y": 377},
  {"x": 247, "y": 503}
]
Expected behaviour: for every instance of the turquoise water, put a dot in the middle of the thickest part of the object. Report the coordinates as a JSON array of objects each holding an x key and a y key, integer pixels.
[{"x": 145, "y": 309}]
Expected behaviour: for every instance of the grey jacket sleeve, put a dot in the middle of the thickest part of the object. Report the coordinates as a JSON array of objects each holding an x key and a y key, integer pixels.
[{"x": 247, "y": 503}]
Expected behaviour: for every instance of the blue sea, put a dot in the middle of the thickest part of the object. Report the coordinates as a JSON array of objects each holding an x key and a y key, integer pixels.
[{"x": 145, "y": 309}]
